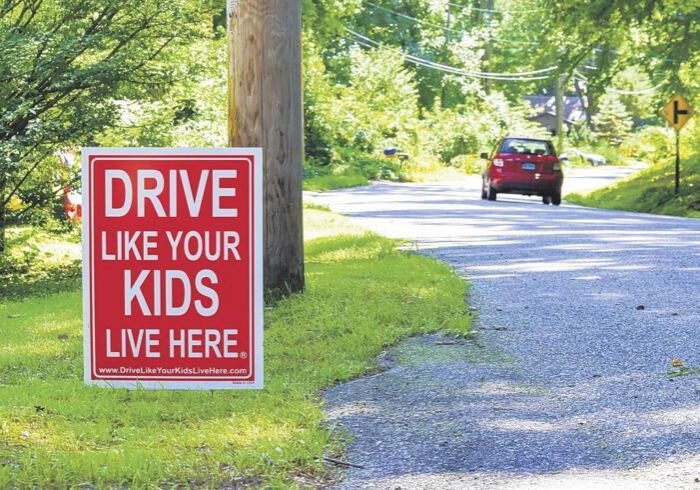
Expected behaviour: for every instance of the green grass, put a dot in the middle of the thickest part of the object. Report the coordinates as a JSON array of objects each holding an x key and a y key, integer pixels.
[
  {"x": 329, "y": 182},
  {"x": 39, "y": 261},
  {"x": 362, "y": 295},
  {"x": 651, "y": 191}
]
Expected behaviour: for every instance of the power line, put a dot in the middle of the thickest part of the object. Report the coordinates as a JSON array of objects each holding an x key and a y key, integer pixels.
[
  {"x": 479, "y": 73},
  {"x": 413, "y": 19},
  {"x": 521, "y": 76},
  {"x": 578, "y": 74},
  {"x": 621, "y": 91},
  {"x": 636, "y": 92},
  {"x": 497, "y": 11},
  {"x": 445, "y": 28},
  {"x": 427, "y": 64}
]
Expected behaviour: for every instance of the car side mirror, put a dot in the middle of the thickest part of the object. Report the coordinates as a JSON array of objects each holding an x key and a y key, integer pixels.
[{"x": 485, "y": 156}]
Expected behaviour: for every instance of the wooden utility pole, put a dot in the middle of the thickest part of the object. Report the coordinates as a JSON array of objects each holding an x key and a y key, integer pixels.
[
  {"x": 559, "y": 108},
  {"x": 265, "y": 110},
  {"x": 446, "y": 45},
  {"x": 488, "y": 6}
]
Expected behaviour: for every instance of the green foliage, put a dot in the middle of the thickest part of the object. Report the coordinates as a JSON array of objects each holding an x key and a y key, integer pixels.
[
  {"x": 362, "y": 295},
  {"x": 381, "y": 103},
  {"x": 612, "y": 154},
  {"x": 612, "y": 122},
  {"x": 65, "y": 70},
  {"x": 191, "y": 113},
  {"x": 651, "y": 191},
  {"x": 471, "y": 164},
  {"x": 640, "y": 106},
  {"x": 473, "y": 128},
  {"x": 329, "y": 182},
  {"x": 348, "y": 126},
  {"x": 359, "y": 101},
  {"x": 40, "y": 261},
  {"x": 649, "y": 144},
  {"x": 449, "y": 133}
]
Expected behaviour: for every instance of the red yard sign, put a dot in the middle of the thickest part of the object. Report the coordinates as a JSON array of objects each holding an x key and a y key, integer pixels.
[{"x": 172, "y": 268}]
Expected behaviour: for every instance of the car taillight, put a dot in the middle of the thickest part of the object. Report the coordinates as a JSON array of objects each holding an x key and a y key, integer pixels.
[
  {"x": 497, "y": 162},
  {"x": 557, "y": 167}
]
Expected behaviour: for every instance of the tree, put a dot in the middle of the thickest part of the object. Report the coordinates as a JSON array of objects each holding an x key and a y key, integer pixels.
[
  {"x": 63, "y": 66},
  {"x": 612, "y": 121}
]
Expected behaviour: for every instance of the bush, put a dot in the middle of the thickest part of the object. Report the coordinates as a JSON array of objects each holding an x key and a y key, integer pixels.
[
  {"x": 472, "y": 128},
  {"x": 350, "y": 167},
  {"x": 651, "y": 143},
  {"x": 471, "y": 164},
  {"x": 448, "y": 133},
  {"x": 30, "y": 272},
  {"x": 611, "y": 154}
]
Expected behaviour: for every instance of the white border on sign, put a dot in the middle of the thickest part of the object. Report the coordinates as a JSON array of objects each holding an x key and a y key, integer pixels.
[
  {"x": 256, "y": 273},
  {"x": 251, "y": 272}
]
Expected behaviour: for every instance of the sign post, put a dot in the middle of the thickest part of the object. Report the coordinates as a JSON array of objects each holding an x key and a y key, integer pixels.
[
  {"x": 172, "y": 268},
  {"x": 677, "y": 112}
]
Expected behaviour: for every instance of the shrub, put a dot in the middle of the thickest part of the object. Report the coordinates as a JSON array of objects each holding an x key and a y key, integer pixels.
[
  {"x": 651, "y": 143},
  {"x": 471, "y": 164}
]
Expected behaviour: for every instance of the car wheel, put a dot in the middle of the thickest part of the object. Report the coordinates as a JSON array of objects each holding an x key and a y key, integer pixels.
[
  {"x": 483, "y": 189},
  {"x": 546, "y": 200},
  {"x": 491, "y": 194},
  {"x": 556, "y": 199}
]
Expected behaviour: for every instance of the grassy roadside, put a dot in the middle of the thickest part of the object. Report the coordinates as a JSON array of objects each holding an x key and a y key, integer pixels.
[
  {"x": 651, "y": 191},
  {"x": 330, "y": 182},
  {"x": 362, "y": 295}
]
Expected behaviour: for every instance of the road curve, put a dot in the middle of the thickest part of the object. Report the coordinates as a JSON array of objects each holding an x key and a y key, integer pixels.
[{"x": 565, "y": 380}]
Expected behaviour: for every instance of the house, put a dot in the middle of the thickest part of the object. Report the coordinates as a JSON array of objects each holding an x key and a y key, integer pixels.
[{"x": 545, "y": 111}]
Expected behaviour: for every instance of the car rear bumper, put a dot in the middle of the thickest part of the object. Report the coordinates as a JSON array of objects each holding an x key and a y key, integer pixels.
[{"x": 546, "y": 183}]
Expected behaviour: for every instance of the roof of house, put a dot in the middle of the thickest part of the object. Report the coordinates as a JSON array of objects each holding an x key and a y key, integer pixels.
[{"x": 574, "y": 110}]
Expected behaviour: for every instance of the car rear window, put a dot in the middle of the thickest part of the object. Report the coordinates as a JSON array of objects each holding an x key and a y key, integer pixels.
[{"x": 527, "y": 147}]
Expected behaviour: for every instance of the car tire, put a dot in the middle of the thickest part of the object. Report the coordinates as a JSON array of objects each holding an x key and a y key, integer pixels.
[
  {"x": 484, "y": 194},
  {"x": 546, "y": 199},
  {"x": 556, "y": 199},
  {"x": 491, "y": 194}
]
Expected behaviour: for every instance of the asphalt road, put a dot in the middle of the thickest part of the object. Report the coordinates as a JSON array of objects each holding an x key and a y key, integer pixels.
[{"x": 565, "y": 380}]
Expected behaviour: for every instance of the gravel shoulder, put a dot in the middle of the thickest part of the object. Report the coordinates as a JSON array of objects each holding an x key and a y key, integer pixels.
[{"x": 566, "y": 376}]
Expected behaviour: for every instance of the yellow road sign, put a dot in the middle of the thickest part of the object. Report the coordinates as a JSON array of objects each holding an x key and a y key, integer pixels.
[{"x": 677, "y": 111}]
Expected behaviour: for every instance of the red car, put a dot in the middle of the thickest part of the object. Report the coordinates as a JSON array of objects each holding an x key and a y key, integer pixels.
[{"x": 527, "y": 166}]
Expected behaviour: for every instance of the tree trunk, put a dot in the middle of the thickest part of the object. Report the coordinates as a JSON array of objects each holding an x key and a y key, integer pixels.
[{"x": 265, "y": 110}]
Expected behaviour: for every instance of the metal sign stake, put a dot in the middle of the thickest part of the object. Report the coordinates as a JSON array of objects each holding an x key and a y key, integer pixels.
[{"x": 678, "y": 161}]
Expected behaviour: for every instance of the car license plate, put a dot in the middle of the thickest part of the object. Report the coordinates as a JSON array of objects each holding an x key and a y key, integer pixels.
[{"x": 528, "y": 166}]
